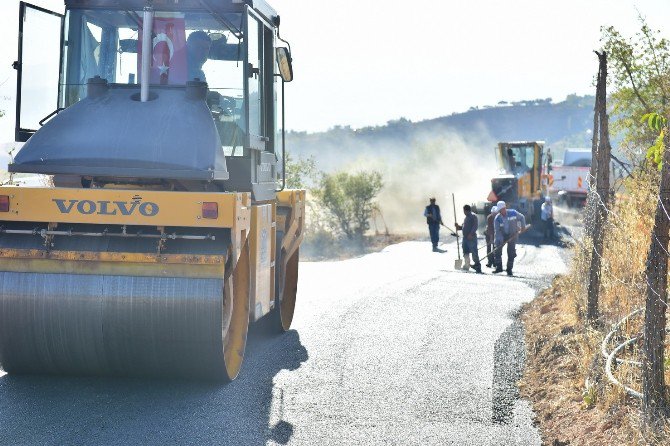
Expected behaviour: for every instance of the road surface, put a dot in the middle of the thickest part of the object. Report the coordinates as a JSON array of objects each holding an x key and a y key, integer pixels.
[{"x": 392, "y": 348}]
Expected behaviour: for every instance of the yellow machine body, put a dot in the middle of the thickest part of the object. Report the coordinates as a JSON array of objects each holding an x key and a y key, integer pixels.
[
  {"x": 59, "y": 207},
  {"x": 262, "y": 245},
  {"x": 123, "y": 207},
  {"x": 520, "y": 180},
  {"x": 247, "y": 272}
]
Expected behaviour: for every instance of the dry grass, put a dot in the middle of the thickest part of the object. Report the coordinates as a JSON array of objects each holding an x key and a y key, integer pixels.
[
  {"x": 573, "y": 400},
  {"x": 563, "y": 369}
]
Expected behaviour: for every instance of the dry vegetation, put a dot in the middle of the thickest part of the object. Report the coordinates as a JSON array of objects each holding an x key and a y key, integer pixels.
[{"x": 574, "y": 402}]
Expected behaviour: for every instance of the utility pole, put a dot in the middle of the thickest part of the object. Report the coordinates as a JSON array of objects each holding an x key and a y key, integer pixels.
[
  {"x": 601, "y": 157},
  {"x": 654, "y": 400}
]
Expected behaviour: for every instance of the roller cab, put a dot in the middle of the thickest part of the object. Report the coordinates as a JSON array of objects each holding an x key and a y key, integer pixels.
[{"x": 167, "y": 229}]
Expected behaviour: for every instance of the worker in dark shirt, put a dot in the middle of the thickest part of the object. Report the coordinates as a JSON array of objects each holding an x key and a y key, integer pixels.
[
  {"x": 490, "y": 237},
  {"x": 198, "y": 45},
  {"x": 469, "y": 229},
  {"x": 434, "y": 220}
]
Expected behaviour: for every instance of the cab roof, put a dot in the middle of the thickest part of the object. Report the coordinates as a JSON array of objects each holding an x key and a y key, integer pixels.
[
  {"x": 520, "y": 143},
  {"x": 216, "y": 6}
]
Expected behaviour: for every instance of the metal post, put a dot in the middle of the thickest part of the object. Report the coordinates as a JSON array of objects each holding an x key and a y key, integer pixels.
[
  {"x": 147, "y": 51},
  {"x": 283, "y": 138}
]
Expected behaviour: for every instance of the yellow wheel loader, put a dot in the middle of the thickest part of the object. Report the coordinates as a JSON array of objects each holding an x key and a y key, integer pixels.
[
  {"x": 520, "y": 181},
  {"x": 167, "y": 229}
]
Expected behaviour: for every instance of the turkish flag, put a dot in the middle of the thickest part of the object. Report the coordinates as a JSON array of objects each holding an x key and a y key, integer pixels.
[{"x": 168, "y": 64}]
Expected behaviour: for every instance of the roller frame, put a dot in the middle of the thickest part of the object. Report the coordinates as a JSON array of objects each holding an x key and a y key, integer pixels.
[{"x": 64, "y": 335}]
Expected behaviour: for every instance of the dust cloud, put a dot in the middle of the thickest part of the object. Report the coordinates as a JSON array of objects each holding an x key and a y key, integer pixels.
[{"x": 432, "y": 166}]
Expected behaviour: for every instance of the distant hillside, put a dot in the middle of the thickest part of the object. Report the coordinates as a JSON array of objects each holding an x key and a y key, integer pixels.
[{"x": 562, "y": 124}]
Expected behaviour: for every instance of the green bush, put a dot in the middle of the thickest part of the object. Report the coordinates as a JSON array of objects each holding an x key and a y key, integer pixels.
[{"x": 348, "y": 198}]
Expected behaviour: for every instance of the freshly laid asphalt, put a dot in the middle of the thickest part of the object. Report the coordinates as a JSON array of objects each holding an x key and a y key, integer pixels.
[{"x": 392, "y": 348}]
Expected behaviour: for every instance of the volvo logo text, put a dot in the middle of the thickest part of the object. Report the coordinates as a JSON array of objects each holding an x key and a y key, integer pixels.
[{"x": 89, "y": 207}]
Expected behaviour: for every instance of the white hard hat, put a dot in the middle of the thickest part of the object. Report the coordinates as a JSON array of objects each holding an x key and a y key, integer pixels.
[
  {"x": 548, "y": 199},
  {"x": 501, "y": 205},
  {"x": 494, "y": 209}
]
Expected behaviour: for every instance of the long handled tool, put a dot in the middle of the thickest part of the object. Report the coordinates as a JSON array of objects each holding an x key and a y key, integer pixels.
[
  {"x": 506, "y": 241},
  {"x": 458, "y": 263},
  {"x": 510, "y": 238},
  {"x": 449, "y": 229}
]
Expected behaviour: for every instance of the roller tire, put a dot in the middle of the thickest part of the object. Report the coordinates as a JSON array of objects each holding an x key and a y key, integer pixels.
[
  {"x": 236, "y": 319},
  {"x": 286, "y": 289}
]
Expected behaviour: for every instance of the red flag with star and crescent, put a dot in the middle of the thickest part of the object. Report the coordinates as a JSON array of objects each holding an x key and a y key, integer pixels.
[{"x": 168, "y": 64}]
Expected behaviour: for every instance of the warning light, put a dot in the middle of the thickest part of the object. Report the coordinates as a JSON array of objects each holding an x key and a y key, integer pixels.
[
  {"x": 210, "y": 210},
  {"x": 4, "y": 203}
]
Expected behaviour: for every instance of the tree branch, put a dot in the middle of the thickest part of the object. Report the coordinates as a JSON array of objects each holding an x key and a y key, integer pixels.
[
  {"x": 635, "y": 90},
  {"x": 657, "y": 65},
  {"x": 622, "y": 164}
]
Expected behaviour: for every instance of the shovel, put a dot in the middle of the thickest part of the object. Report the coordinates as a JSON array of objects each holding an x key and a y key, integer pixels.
[
  {"x": 458, "y": 263},
  {"x": 521, "y": 231}
]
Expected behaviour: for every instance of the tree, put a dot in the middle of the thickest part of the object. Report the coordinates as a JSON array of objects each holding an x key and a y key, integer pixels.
[
  {"x": 640, "y": 68},
  {"x": 349, "y": 200},
  {"x": 600, "y": 169},
  {"x": 301, "y": 173}
]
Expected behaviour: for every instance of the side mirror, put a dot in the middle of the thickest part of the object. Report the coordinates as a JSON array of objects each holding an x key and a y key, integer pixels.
[{"x": 284, "y": 63}]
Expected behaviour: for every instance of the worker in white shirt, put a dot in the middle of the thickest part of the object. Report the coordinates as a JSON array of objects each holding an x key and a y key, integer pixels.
[{"x": 547, "y": 215}]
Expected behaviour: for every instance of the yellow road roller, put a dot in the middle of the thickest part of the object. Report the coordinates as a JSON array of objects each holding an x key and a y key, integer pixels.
[{"x": 164, "y": 228}]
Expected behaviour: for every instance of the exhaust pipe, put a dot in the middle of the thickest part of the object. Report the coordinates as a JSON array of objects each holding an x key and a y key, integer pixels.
[{"x": 147, "y": 50}]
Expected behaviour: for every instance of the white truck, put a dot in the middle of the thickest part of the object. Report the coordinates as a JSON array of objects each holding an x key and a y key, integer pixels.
[{"x": 568, "y": 180}]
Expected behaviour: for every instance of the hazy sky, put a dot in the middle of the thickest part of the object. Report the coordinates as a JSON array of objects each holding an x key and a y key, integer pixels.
[{"x": 364, "y": 62}]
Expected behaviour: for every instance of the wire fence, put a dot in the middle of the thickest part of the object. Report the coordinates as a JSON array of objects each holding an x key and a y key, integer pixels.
[{"x": 632, "y": 294}]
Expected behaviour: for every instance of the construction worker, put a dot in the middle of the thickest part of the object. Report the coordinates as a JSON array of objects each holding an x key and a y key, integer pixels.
[
  {"x": 549, "y": 160},
  {"x": 507, "y": 225},
  {"x": 511, "y": 160},
  {"x": 434, "y": 220},
  {"x": 198, "y": 45},
  {"x": 469, "y": 229},
  {"x": 490, "y": 236},
  {"x": 547, "y": 216}
]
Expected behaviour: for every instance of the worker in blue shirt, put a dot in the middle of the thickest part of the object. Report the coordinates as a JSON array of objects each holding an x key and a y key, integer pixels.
[
  {"x": 507, "y": 226},
  {"x": 469, "y": 228},
  {"x": 434, "y": 220}
]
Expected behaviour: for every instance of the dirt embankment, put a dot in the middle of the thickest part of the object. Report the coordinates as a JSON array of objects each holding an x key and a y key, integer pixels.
[{"x": 561, "y": 353}]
